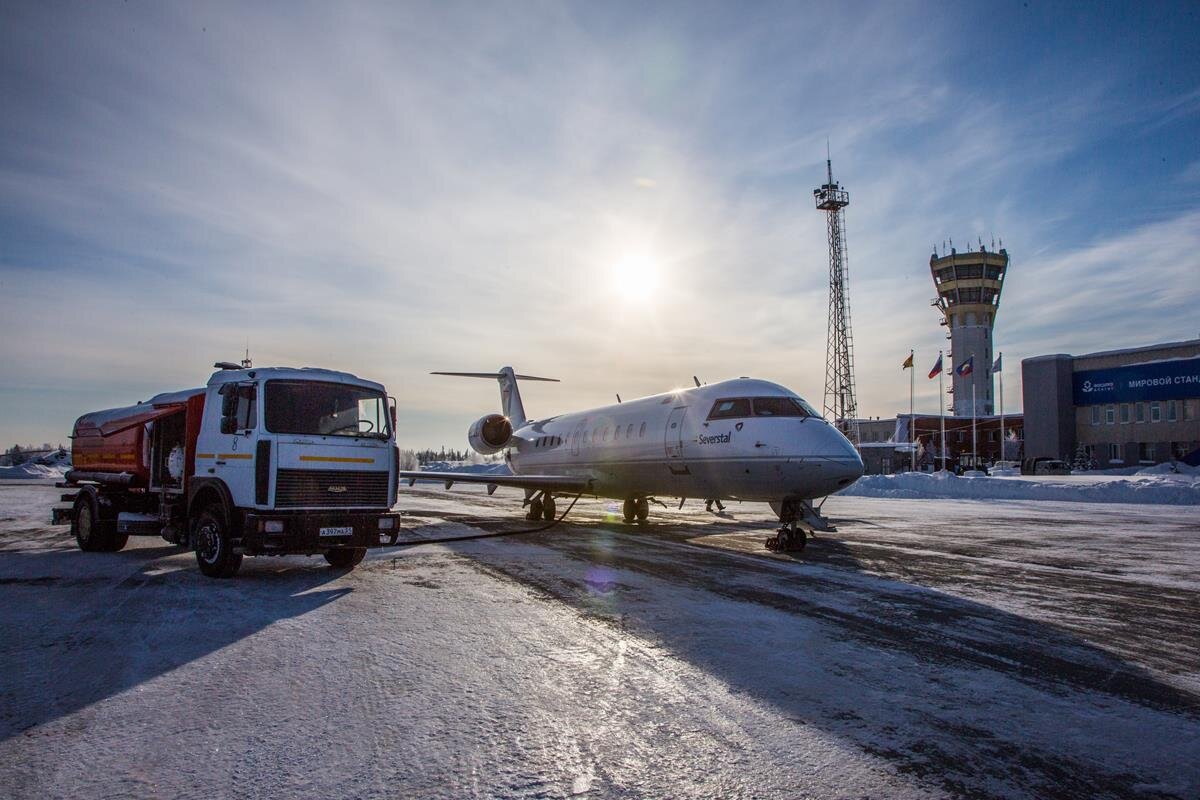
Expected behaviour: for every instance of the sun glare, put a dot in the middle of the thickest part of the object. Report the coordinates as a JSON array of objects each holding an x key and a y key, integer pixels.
[{"x": 638, "y": 275}]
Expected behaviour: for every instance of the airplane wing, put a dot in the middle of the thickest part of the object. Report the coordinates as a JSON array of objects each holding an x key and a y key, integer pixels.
[{"x": 554, "y": 483}]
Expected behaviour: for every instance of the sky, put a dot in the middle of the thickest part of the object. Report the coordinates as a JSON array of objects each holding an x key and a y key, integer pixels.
[{"x": 618, "y": 195}]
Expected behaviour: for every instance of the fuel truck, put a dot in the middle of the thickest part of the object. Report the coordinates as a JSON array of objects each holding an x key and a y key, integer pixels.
[{"x": 272, "y": 461}]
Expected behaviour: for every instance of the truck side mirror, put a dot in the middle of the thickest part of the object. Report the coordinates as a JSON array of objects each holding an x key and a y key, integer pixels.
[{"x": 392, "y": 412}]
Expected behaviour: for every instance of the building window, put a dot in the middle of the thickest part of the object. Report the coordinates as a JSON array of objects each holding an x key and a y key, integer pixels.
[
  {"x": 1095, "y": 415},
  {"x": 1172, "y": 413},
  {"x": 1114, "y": 454},
  {"x": 1155, "y": 413},
  {"x": 1146, "y": 452},
  {"x": 1124, "y": 413},
  {"x": 1110, "y": 415},
  {"x": 1188, "y": 410},
  {"x": 1141, "y": 412}
]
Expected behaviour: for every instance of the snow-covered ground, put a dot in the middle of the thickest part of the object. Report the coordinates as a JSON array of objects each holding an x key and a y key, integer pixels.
[
  {"x": 1154, "y": 487},
  {"x": 930, "y": 648}
]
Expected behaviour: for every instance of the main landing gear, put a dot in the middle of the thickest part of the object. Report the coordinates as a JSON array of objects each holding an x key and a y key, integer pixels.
[
  {"x": 541, "y": 507},
  {"x": 798, "y": 521},
  {"x": 636, "y": 509}
]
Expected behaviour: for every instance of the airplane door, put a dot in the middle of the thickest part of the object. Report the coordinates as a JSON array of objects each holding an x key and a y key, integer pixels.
[
  {"x": 674, "y": 433},
  {"x": 575, "y": 437}
]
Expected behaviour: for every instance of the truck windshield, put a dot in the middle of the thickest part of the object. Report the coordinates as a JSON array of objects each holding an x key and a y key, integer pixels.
[{"x": 326, "y": 409}]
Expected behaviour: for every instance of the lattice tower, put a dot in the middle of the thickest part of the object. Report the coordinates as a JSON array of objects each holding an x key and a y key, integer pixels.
[{"x": 840, "y": 403}]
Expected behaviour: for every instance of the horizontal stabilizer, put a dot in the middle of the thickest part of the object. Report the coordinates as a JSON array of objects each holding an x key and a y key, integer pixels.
[{"x": 494, "y": 376}]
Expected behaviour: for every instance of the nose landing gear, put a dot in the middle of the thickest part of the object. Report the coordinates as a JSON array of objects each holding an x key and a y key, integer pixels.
[
  {"x": 789, "y": 539},
  {"x": 793, "y": 514}
]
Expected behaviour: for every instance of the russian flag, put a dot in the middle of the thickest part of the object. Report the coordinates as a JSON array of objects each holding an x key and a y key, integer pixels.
[
  {"x": 937, "y": 368},
  {"x": 967, "y": 367}
]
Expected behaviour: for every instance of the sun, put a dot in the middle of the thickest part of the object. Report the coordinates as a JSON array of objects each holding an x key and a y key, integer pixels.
[{"x": 637, "y": 275}]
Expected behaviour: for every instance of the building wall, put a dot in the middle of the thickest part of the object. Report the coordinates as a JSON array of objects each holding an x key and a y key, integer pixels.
[
  {"x": 1113, "y": 434},
  {"x": 1048, "y": 407}
]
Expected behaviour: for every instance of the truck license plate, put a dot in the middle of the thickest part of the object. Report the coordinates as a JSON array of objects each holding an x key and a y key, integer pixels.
[{"x": 336, "y": 532}]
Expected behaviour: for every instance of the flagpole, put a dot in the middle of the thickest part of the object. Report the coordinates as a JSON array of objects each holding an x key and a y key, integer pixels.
[
  {"x": 974, "y": 445},
  {"x": 942, "y": 405},
  {"x": 912, "y": 422},
  {"x": 1003, "y": 455}
]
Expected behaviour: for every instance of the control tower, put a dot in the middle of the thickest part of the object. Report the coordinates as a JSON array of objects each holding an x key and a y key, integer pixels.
[{"x": 968, "y": 286}]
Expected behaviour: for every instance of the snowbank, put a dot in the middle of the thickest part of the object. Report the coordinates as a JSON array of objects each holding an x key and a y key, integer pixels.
[
  {"x": 494, "y": 468},
  {"x": 1173, "y": 490},
  {"x": 31, "y": 471}
]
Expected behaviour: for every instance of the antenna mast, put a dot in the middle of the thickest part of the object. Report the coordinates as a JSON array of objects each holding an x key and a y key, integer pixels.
[{"x": 840, "y": 403}]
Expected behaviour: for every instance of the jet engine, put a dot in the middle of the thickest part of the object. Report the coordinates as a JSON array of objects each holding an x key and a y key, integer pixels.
[{"x": 490, "y": 434}]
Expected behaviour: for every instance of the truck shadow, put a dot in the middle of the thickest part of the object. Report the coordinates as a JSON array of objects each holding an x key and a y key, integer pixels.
[
  {"x": 71, "y": 637},
  {"x": 969, "y": 696}
]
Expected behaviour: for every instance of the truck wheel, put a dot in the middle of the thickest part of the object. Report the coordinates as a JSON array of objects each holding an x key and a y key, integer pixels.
[
  {"x": 214, "y": 552},
  {"x": 86, "y": 525},
  {"x": 345, "y": 557},
  {"x": 117, "y": 542}
]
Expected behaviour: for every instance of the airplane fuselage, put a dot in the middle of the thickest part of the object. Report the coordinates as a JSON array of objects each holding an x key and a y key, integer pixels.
[{"x": 743, "y": 439}]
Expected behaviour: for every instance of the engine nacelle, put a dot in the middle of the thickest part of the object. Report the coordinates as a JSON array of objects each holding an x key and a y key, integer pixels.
[{"x": 490, "y": 434}]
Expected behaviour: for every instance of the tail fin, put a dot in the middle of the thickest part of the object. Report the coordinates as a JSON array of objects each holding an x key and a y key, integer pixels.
[{"x": 510, "y": 395}]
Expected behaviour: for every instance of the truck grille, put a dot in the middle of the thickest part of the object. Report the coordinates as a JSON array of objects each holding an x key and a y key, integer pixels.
[{"x": 330, "y": 488}]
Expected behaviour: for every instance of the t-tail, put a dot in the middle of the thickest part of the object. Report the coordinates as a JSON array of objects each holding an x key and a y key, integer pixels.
[{"x": 510, "y": 395}]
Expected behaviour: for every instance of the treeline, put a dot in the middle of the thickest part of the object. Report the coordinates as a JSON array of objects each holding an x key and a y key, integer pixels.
[
  {"x": 20, "y": 453},
  {"x": 423, "y": 457}
]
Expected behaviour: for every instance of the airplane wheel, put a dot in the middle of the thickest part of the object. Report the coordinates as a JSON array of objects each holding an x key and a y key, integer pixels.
[
  {"x": 630, "y": 511},
  {"x": 642, "y": 509},
  {"x": 535, "y": 509},
  {"x": 548, "y": 509}
]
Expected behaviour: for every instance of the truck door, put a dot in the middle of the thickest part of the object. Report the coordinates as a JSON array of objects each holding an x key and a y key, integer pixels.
[
  {"x": 674, "y": 434},
  {"x": 234, "y": 460}
]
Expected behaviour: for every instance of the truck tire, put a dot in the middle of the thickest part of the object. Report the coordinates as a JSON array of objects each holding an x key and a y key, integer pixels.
[
  {"x": 345, "y": 557},
  {"x": 93, "y": 534},
  {"x": 116, "y": 542},
  {"x": 214, "y": 551}
]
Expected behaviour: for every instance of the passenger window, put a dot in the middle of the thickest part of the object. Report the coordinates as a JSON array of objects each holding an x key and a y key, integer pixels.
[
  {"x": 730, "y": 408},
  {"x": 777, "y": 407},
  {"x": 642, "y": 431},
  {"x": 629, "y": 431}
]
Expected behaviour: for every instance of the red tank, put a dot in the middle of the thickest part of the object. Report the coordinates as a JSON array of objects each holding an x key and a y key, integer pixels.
[{"x": 114, "y": 442}]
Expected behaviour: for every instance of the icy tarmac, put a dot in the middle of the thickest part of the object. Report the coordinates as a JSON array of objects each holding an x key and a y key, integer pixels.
[{"x": 929, "y": 648}]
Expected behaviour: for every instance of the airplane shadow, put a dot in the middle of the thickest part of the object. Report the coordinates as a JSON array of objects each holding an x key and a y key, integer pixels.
[
  {"x": 71, "y": 637},
  {"x": 966, "y": 695}
]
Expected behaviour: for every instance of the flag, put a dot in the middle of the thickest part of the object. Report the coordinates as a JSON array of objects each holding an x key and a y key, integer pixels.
[
  {"x": 996, "y": 364},
  {"x": 966, "y": 368},
  {"x": 908, "y": 362},
  {"x": 937, "y": 368}
]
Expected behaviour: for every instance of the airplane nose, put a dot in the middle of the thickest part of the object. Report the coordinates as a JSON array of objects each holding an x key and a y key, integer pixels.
[{"x": 843, "y": 459}]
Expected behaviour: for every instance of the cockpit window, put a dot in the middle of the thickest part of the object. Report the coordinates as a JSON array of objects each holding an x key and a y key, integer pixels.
[
  {"x": 727, "y": 409},
  {"x": 778, "y": 407}
]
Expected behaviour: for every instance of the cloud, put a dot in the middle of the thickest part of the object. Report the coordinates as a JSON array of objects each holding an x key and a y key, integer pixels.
[{"x": 395, "y": 189}]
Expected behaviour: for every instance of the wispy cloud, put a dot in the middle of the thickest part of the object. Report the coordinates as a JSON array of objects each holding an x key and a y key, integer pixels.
[{"x": 397, "y": 189}]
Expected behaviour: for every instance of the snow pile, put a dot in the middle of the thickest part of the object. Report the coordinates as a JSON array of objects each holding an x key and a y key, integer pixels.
[
  {"x": 34, "y": 471},
  {"x": 1173, "y": 490},
  {"x": 494, "y": 468}
]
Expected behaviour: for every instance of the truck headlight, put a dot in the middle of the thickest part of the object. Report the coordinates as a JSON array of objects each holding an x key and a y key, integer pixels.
[
  {"x": 274, "y": 526},
  {"x": 386, "y": 523}
]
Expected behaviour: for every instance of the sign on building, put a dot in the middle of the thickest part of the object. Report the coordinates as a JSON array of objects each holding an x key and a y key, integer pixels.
[{"x": 1159, "y": 380}]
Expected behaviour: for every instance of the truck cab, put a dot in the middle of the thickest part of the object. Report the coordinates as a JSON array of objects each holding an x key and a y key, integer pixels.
[{"x": 266, "y": 461}]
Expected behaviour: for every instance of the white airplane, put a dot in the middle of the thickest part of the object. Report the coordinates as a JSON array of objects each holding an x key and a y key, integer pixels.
[{"x": 740, "y": 439}]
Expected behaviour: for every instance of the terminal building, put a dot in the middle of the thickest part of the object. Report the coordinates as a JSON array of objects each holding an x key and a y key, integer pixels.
[
  {"x": 885, "y": 445},
  {"x": 1118, "y": 408}
]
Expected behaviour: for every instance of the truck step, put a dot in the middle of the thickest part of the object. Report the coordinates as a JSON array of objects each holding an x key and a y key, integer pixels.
[
  {"x": 138, "y": 524},
  {"x": 61, "y": 516},
  {"x": 68, "y": 498}
]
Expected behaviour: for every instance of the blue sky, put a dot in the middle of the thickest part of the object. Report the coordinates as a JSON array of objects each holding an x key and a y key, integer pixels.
[{"x": 618, "y": 195}]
